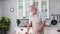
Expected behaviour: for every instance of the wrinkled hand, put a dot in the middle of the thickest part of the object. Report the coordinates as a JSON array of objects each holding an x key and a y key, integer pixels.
[
  {"x": 38, "y": 31},
  {"x": 26, "y": 33}
]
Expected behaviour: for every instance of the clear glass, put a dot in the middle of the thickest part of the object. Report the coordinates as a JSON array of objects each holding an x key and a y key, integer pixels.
[
  {"x": 27, "y": 4},
  {"x": 44, "y": 7},
  {"x": 24, "y": 7},
  {"x": 20, "y": 8}
]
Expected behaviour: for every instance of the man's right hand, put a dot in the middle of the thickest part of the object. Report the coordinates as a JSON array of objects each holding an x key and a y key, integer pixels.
[
  {"x": 28, "y": 27},
  {"x": 26, "y": 33}
]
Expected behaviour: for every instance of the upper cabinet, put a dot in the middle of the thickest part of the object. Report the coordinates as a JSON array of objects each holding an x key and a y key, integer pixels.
[
  {"x": 23, "y": 11},
  {"x": 45, "y": 7},
  {"x": 23, "y": 8}
]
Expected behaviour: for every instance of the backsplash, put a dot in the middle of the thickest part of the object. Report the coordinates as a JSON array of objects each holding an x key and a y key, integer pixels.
[{"x": 23, "y": 22}]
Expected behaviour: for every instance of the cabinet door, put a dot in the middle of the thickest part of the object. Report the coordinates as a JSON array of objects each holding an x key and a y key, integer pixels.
[
  {"x": 27, "y": 5},
  {"x": 19, "y": 9},
  {"x": 46, "y": 30},
  {"x": 23, "y": 30},
  {"x": 45, "y": 7},
  {"x": 23, "y": 9},
  {"x": 52, "y": 31}
]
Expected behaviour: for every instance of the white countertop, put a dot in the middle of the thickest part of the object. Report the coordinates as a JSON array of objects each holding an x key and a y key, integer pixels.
[{"x": 51, "y": 30}]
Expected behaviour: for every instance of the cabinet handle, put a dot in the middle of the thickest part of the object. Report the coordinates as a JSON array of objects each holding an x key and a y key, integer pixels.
[
  {"x": 58, "y": 30},
  {"x": 21, "y": 29}
]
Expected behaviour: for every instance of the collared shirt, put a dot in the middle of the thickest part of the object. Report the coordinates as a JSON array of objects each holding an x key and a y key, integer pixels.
[{"x": 36, "y": 20}]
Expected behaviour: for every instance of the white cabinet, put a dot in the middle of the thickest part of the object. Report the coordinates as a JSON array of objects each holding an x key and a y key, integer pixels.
[
  {"x": 45, "y": 7},
  {"x": 23, "y": 9},
  {"x": 51, "y": 30},
  {"x": 22, "y": 30}
]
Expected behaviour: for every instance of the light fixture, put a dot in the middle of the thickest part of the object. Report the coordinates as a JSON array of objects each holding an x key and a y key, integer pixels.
[{"x": 11, "y": 9}]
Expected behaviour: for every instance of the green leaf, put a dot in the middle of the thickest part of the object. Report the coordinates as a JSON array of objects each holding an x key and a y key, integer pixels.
[{"x": 5, "y": 23}]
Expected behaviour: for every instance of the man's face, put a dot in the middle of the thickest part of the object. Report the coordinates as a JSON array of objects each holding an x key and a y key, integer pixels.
[{"x": 33, "y": 9}]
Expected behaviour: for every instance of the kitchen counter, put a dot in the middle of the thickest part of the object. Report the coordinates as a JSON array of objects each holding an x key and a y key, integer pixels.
[
  {"x": 22, "y": 30},
  {"x": 51, "y": 30}
]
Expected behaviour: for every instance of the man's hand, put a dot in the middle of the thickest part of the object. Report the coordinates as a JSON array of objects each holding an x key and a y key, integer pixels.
[
  {"x": 28, "y": 27},
  {"x": 26, "y": 32},
  {"x": 38, "y": 30}
]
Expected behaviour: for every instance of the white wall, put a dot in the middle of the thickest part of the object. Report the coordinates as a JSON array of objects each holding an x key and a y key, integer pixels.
[
  {"x": 12, "y": 15},
  {"x": 0, "y": 9}
]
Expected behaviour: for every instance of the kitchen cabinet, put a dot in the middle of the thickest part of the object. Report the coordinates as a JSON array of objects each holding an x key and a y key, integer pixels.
[
  {"x": 45, "y": 7},
  {"x": 51, "y": 30},
  {"x": 23, "y": 9},
  {"x": 25, "y": 29},
  {"x": 22, "y": 30}
]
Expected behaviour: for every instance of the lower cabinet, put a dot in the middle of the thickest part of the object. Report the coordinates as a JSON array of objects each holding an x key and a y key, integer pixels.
[
  {"x": 51, "y": 30},
  {"x": 22, "y": 30}
]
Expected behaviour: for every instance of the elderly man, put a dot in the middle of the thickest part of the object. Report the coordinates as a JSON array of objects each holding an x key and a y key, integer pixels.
[{"x": 37, "y": 20}]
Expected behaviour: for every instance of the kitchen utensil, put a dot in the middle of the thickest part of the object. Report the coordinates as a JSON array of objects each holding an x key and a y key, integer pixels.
[
  {"x": 58, "y": 30},
  {"x": 54, "y": 22},
  {"x": 59, "y": 19},
  {"x": 48, "y": 23}
]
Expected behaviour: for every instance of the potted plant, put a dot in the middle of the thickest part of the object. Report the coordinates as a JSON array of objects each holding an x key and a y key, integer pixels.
[
  {"x": 18, "y": 22},
  {"x": 5, "y": 24}
]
